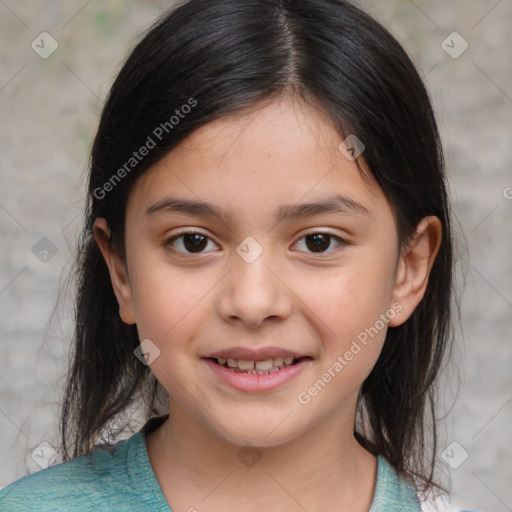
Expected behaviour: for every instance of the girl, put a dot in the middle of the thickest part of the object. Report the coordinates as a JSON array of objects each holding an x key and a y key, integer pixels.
[{"x": 265, "y": 273}]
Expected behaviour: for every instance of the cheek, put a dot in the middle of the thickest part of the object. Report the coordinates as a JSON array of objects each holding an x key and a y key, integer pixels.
[
  {"x": 353, "y": 310},
  {"x": 168, "y": 301},
  {"x": 170, "y": 308},
  {"x": 355, "y": 295}
]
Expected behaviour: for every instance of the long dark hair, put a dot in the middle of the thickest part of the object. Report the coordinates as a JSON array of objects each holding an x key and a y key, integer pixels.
[{"x": 220, "y": 56}]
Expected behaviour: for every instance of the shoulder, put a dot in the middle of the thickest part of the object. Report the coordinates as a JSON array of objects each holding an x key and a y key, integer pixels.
[
  {"x": 392, "y": 492},
  {"x": 86, "y": 483}
]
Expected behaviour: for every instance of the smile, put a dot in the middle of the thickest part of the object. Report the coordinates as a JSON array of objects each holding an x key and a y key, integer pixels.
[
  {"x": 257, "y": 376},
  {"x": 256, "y": 367}
]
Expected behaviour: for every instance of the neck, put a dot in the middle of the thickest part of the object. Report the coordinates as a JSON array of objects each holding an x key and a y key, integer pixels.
[{"x": 323, "y": 469}]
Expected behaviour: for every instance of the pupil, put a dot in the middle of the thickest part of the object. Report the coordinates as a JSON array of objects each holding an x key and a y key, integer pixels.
[
  {"x": 194, "y": 241},
  {"x": 319, "y": 241}
]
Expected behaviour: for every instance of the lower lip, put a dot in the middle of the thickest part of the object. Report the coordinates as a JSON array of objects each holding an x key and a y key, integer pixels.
[{"x": 254, "y": 383}]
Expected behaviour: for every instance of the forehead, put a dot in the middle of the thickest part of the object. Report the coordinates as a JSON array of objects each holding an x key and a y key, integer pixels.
[{"x": 281, "y": 152}]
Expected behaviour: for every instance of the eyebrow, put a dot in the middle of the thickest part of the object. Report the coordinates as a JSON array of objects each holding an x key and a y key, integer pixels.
[{"x": 330, "y": 204}]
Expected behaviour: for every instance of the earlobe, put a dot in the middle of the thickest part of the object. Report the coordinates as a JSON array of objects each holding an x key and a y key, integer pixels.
[
  {"x": 414, "y": 267},
  {"x": 117, "y": 270}
]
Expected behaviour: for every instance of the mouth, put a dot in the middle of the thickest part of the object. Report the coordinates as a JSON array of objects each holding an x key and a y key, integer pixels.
[{"x": 248, "y": 367}]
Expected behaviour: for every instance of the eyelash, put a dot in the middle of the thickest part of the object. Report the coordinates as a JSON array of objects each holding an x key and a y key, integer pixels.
[{"x": 330, "y": 236}]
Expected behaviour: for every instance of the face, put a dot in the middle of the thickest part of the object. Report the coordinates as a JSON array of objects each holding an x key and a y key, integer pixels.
[{"x": 257, "y": 276}]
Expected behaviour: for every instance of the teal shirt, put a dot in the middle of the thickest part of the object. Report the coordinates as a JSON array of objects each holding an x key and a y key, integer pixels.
[{"x": 122, "y": 480}]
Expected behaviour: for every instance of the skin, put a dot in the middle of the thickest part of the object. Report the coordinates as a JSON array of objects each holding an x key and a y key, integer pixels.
[{"x": 190, "y": 305}]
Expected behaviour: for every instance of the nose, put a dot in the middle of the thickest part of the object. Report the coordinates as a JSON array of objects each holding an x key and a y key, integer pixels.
[{"x": 254, "y": 293}]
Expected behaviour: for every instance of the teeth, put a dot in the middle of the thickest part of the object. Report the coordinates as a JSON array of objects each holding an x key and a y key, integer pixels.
[
  {"x": 249, "y": 365},
  {"x": 264, "y": 365},
  {"x": 256, "y": 367}
]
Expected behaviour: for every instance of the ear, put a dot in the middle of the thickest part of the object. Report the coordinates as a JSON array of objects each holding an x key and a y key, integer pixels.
[
  {"x": 117, "y": 270},
  {"x": 414, "y": 267}
]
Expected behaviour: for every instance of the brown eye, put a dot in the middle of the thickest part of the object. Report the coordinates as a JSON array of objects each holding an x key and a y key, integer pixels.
[
  {"x": 320, "y": 242},
  {"x": 189, "y": 243}
]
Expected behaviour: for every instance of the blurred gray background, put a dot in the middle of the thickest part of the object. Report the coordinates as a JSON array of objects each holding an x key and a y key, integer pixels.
[{"x": 49, "y": 108}]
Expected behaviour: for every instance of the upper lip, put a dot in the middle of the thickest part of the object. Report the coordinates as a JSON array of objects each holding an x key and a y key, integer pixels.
[{"x": 252, "y": 354}]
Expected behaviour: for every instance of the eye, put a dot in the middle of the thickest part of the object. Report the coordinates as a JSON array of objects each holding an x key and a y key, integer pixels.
[
  {"x": 193, "y": 242},
  {"x": 190, "y": 242},
  {"x": 320, "y": 242}
]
